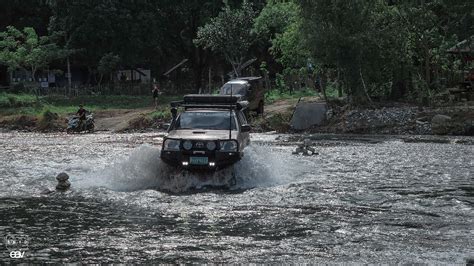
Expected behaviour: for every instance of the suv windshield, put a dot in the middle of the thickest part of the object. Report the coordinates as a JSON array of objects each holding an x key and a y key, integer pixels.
[
  {"x": 205, "y": 120},
  {"x": 240, "y": 89}
]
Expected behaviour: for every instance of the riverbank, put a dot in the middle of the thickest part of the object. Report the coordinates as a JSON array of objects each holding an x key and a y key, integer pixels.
[
  {"x": 401, "y": 119},
  {"x": 24, "y": 112},
  {"x": 380, "y": 119},
  {"x": 136, "y": 114}
]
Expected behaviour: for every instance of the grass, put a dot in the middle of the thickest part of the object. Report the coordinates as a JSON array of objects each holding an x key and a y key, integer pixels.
[
  {"x": 275, "y": 95},
  {"x": 28, "y": 104},
  {"x": 10, "y": 100},
  {"x": 162, "y": 113}
]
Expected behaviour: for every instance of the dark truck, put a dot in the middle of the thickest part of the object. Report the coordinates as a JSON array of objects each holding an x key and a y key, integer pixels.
[
  {"x": 211, "y": 133},
  {"x": 250, "y": 89}
]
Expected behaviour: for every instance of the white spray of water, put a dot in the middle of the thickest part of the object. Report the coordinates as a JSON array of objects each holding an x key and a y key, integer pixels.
[{"x": 143, "y": 169}]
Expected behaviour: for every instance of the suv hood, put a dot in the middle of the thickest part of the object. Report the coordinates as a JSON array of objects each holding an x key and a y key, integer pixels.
[{"x": 202, "y": 134}]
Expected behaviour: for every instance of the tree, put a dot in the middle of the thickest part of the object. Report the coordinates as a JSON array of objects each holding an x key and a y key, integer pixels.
[
  {"x": 129, "y": 29},
  {"x": 107, "y": 65},
  {"x": 279, "y": 22},
  {"x": 340, "y": 34},
  {"x": 229, "y": 34},
  {"x": 26, "y": 50}
]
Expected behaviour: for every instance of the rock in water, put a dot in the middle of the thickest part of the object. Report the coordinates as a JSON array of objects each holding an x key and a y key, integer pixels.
[
  {"x": 305, "y": 149},
  {"x": 63, "y": 183},
  {"x": 62, "y": 177}
]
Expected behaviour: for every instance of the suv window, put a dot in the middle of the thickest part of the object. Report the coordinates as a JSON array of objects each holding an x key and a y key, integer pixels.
[
  {"x": 240, "y": 89},
  {"x": 242, "y": 119},
  {"x": 205, "y": 120}
]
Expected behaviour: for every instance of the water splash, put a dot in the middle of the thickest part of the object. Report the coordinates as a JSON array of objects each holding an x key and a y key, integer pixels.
[
  {"x": 265, "y": 166},
  {"x": 143, "y": 169}
]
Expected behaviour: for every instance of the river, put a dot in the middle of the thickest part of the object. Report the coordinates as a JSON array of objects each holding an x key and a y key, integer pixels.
[{"x": 359, "y": 202}]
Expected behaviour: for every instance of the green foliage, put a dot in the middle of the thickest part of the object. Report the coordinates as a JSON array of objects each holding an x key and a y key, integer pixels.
[
  {"x": 25, "y": 49},
  {"x": 129, "y": 29},
  {"x": 9, "y": 100},
  {"x": 229, "y": 34},
  {"x": 163, "y": 114},
  {"x": 27, "y": 103},
  {"x": 275, "y": 18},
  {"x": 383, "y": 48},
  {"x": 279, "y": 22},
  {"x": 108, "y": 64},
  {"x": 279, "y": 122},
  {"x": 275, "y": 95}
]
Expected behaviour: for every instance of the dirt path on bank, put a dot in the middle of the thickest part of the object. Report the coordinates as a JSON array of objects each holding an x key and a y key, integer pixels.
[
  {"x": 117, "y": 120},
  {"x": 286, "y": 106}
]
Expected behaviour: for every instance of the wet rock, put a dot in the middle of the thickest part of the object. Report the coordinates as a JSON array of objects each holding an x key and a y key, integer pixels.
[
  {"x": 63, "y": 183},
  {"x": 443, "y": 125},
  {"x": 305, "y": 149},
  {"x": 308, "y": 114},
  {"x": 470, "y": 261},
  {"x": 469, "y": 128},
  {"x": 423, "y": 126},
  {"x": 440, "y": 119},
  {"x": 391, "y": 120},
  {"x": 46, "y": 191}
]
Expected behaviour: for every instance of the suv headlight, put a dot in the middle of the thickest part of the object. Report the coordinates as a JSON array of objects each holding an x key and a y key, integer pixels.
[
  {"x": 171, "y": 145},
  {"x": 229, "y": 145}
]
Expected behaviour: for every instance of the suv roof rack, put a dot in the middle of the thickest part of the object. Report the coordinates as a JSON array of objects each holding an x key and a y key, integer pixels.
[
  {"x": 211, "y": 101},
  {"x": 248, "y": 78}
]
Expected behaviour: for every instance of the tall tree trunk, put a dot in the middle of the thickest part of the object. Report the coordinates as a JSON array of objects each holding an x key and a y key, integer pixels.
[
  {"x": 339, "y": 85},
  {"x": 36, "y": 86},
  {"x": 11, "y": 79},
  {"x": 69, "y": 79},
  {"x": 356, "y": 88},
  {"x": 322, "y": 85},
  {"x": 366, "y": 93},
  {"x": 427, "y": 67},
  {"x": 210, "y": 80}
]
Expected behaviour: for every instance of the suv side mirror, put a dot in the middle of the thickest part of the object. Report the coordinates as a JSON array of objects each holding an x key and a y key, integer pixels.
[
  {"x": 165, "y": 126},
  {"x": 245, "y": 128}
]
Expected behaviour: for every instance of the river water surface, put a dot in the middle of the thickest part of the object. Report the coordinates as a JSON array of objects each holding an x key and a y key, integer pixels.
[{"x": 365, "y": 202}]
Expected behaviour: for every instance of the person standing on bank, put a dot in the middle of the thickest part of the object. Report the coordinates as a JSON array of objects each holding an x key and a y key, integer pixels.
[{"x": 156, "y": 92}]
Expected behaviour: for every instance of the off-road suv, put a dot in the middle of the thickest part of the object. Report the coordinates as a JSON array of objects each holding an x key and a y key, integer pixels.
[
  {"x": 210, "y": 134},
  {"x": 250, "y": 89}
]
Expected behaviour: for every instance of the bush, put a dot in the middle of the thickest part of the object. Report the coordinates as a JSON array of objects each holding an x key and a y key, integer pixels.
[
  {"x": 274, "y": 95},
  {"x": 47, "y": 120},
  {"x": 140, "y": 122},
  {"x": 279, "y": 122},
  {"x": 18, "y": 88}
]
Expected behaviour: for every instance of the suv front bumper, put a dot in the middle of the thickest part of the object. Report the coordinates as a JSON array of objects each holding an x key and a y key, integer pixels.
[{"x": 215, "y": 159}]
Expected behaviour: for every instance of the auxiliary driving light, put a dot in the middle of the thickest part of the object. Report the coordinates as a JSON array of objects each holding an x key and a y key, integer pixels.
[
  {"x": 185, "y": 163},
  {"x": 187, "y": 145},
  {"x": 211, "y": 145}
]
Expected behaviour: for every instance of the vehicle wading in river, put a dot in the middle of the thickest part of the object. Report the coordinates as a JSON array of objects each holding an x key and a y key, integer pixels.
[{"x": 210, "y": 134}]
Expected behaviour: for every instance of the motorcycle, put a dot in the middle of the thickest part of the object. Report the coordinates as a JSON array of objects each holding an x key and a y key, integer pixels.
[{"x": 75, "y": 125}]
